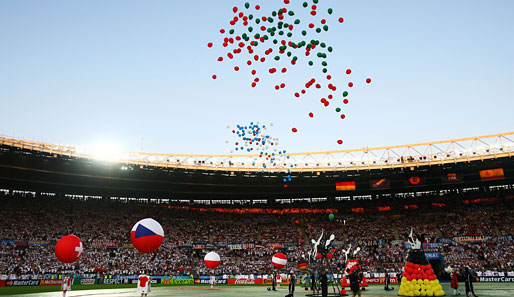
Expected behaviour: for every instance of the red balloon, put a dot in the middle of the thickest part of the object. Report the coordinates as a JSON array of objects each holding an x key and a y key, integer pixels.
[
  {"x": 311, "y": 114},
  {"x": 209, "y": 44},
  {"x": 329, "y": 256},
  {"x": 282, "y": 85},
  {"x": 339, "y": 141},
  {"x": 350, "y": 84},
  {"x": 222, "y": 31},
  {"x": 311, "y": 25},
  {"x": 368, "y": 80},
  {"x": 329, "y": 77},
  {"x": 323, "y": 21},
  {"x": 214, "y": 76},
  {"x": 69, "y": 249},
  {"x": 236, "y": 68},
  {"x": 348, "y": 71},
  {"x": 220, "y": 59},
  {"x": 257, "y": 7},
  {"x": 297, "y": 94},
  {"x": 294, "y": 130},
  {"x": 343, "y": 116},
  {"x": 345, "y": 101},
  {"x": 285, "y": 186},
  {"x": 284, "y": 70},
  {"x": 234, "y": 9},
  {"x": 313, "y": 12},
  {"x": 318, "y": 256},
  {"x": 341, "y": 20}
]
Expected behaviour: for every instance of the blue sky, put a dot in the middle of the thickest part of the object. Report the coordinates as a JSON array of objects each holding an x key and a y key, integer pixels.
[{"x": 93, "y": 72}]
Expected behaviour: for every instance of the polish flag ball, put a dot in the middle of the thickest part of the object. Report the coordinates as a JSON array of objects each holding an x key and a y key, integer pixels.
[
  {"x": 147, "y": 235},
  {"x": 69, "y": 249},
  {"x": 211, "y": 260},
  {"x": 279, "y": 260}
]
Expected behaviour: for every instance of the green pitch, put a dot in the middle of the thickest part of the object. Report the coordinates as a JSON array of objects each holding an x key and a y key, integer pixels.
[{"x": 482, "y": 290}]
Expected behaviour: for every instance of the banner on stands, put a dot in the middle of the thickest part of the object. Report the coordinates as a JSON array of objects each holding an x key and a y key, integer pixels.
[
  {"x": 19, "y": 283},
  {"x": 208, "y": 281},
  {"x": 496, "y": 279},
  {"x": 380, "y": 280},
  {"x": 50, "y": 282},
  {"x": 84, "y": 281},
  {"x": 245, "y": 281}
]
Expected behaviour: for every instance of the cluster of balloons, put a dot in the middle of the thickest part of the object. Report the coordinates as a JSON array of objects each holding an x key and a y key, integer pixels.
[
  {"x": 253, "y": 138},
  {"x": 283, "y": 35},
  {"x": 420, "y": 280}
]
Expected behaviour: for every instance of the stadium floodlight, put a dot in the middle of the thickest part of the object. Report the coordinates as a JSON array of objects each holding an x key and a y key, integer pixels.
[{"x": 106, "y": 152}]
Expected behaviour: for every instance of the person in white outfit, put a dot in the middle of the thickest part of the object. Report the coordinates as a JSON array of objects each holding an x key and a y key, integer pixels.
[{"x": 66, "y": 285}]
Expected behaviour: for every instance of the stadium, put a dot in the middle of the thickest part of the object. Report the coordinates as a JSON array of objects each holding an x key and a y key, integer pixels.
[
  {"x": 256, "y": 148},
  {"x": 376, "y": 195}
]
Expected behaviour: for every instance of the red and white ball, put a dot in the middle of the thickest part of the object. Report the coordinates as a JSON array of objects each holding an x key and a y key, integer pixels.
[
  {"x": 147, "y": 235},
  {"x": 212, "y": 260},
  {"x": 279, "y": 260},
  {"x": 69, "y": 249}
]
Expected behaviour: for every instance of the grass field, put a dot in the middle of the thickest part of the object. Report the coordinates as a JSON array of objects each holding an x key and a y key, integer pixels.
[{"x": 482, "y": 289}]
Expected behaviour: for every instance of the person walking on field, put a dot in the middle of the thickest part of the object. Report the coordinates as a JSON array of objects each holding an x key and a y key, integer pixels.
[
  {"x": 355, "y": 283},
  {"x": 455, "y": 283}
]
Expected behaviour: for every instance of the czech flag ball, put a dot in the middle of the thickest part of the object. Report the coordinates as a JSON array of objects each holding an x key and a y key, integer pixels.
[
  {"x": 147, "y": 235},
  {"x": 211, "y": 260},
  {"x": 279, "y": 260},
  {"x": 69, "y": 249}
]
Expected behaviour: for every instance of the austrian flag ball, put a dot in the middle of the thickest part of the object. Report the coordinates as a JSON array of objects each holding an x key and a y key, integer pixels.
[
  {"x": 147, "y": 235},
  {"x": 69, "y": 249},
  {"x": 211, "y": 260},
  {"x": 279, "y": 260}
]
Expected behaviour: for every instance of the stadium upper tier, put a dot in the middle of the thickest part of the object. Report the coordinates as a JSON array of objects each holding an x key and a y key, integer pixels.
[
  {"x": 443, "y": 165},
  {"x": 420, "y": 154}
]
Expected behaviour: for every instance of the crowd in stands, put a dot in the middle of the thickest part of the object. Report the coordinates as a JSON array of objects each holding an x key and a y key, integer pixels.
[{"x": 30, "y": 226}]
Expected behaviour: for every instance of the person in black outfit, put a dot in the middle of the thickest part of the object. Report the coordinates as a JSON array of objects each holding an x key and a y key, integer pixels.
[
  {"x": 274, "y": 281},
  {"x": 469, "y": 277},
  {"x": 387, "y": 282},
  {"x": 292, "y": 283},
  {"x": 324, "y": 283},
  {"x": 313, "y": 281},
  {"x": 354, "y": 283}
]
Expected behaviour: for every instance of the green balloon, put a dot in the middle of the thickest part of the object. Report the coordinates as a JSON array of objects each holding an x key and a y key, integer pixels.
[
  {"x": 274, "y": 13},
  {"x": 325, "y": 70},
  {"x": 255, "y": 43},
  {"x": 305, "y": 4},
  {"x": 345, "y": 93},
  {"x": 311, "y": 63},
  {"x": 275, "y": 41},
  {"x": 304, "y": 32},
  {"x": 338, "y": 109},
  {"x": 289, "y": 34},
  {"x": 331, "y": 216},
  {"x": 329, "y": 49},
  {"x": 325, "y": 28},
  {"x": 318, "y": 30},
  {"x": 295, "y": 58},
  {"x": 330, "y": 10},
  {"x": 283, "y": 48},
  {"x": 257, "y": 21},
  {"x": 324, "y": 63},
  {"x": 323, "y": 45},
  {"x": 297, "y": 21},
  {"x": 265, "y": 37},
  {"x": 250, "y": 16},
  {"x": 280, "y": 32},
  {"x": 231, "y": 31},
  {"x": 289, "y": 54},
  {"x": 247, "y": 5},
  {"x": 291, "y": 13},
  {"x": 250, "y": 29},
  {"x": 315, "y": 1},
  {"x": 257, "y": 35},
  {"x": 277, "y": 58},
  {"x": 270, "y": 19}
]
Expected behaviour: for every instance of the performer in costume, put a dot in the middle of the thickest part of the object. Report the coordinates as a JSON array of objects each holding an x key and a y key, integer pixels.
[
  {"x": 66, "y": 285},
  {"x": 143, "y": 285},
  {"x": 455, "y": 283},
  {"x": 469, "y": 277},
  {"x": 355, "y": 283}
]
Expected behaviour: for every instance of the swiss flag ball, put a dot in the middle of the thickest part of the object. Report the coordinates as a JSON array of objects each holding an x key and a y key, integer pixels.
[
  {"x": 279, "y": 260},
  {"x": 147, "y": 235},
  {"x": 211, "y": 260},
  {"x": 68, "y": 249}
]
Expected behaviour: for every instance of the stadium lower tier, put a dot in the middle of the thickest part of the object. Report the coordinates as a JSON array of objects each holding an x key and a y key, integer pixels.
[{"x": 461, "y": 234}]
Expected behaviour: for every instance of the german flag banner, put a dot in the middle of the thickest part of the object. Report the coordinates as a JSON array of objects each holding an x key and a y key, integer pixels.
[{"x": 345, "y": 186}]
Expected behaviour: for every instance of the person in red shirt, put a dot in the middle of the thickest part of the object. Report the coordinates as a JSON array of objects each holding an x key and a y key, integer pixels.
[
  {"x": 143, "y": 285},
  {"x": 455, "y": 283}
]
